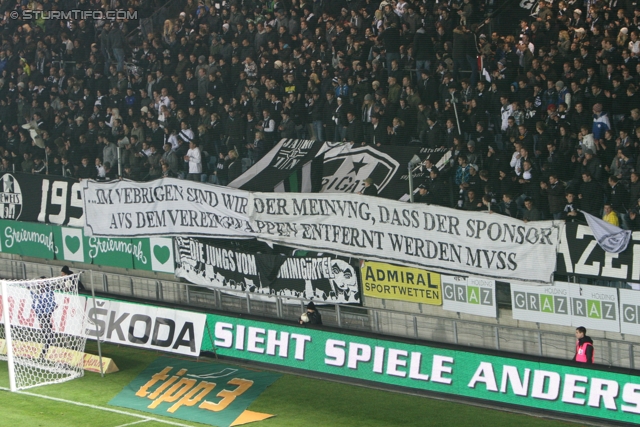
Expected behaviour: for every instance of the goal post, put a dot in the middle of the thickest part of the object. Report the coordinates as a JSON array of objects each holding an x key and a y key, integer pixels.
[{"x": 42, "y": 337}]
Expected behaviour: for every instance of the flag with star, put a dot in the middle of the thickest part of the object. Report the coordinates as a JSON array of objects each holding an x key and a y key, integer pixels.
[{"x": 346, "y": 167}]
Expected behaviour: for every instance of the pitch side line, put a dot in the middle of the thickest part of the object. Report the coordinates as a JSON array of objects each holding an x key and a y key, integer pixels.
[
  {"x": 101, "y": 408},
  {"x": 134, "y": 423}
]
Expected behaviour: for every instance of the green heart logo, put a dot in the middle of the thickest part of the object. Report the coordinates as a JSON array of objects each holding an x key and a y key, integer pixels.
[
  {"x": 161, "y": 253},
  {"x": 73, "y": 243}
]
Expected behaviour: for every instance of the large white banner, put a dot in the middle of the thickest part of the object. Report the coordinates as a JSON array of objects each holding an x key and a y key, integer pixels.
[
  {"x": 164, "y": 207},
  {"x": 432, "y": 237},
  {"x": 156, "y": 328},
  {"x": 471, "y": 295},
  {"x": 416, "y": 235},
  {"x": 567, "y": 304}
]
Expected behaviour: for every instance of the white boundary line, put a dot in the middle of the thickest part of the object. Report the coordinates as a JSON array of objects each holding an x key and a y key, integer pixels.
[
  {"x": 134, "y": 423},
  {"x": 101, "y": 408}
]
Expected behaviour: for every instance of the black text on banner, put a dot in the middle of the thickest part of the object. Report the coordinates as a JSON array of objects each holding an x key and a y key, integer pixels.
[
  {"x": 156, "y": 328},
  {"x": 422, "y": 236},
  {"x": 165, "y": 207}
]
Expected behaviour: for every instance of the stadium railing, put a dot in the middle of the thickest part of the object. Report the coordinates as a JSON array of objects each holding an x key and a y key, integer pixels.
[{"x": 624, "y": 353}]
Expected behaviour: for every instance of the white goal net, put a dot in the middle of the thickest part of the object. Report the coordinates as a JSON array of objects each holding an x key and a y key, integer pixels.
[{"x": 42, "y": 333}]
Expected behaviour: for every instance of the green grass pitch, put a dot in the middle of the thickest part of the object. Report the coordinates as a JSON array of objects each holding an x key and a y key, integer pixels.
[{"x": 295, "y": 400}]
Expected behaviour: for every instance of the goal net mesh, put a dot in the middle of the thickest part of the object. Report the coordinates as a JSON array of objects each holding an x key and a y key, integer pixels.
[{"x": 47, "y": 330}]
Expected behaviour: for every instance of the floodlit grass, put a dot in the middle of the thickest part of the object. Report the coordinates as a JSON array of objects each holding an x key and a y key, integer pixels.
[{"x": 295, "y": 400}]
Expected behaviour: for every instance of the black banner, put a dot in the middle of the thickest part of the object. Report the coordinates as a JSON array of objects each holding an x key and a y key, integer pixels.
[
  {"x": 291, "y": 166},
  {"x": 317, "y": 277},
  {"x": 346, "y": 167},
  {"x": 579, "y": 254},
  {"x": 41, "y": 198}
]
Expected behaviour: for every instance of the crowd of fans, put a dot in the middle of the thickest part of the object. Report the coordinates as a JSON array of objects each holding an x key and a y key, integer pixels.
[{"x": 541, "y": 123}]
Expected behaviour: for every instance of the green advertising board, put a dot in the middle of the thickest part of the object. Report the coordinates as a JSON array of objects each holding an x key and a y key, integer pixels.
[
  {"x": 545, "y": 386},
  {"x": 70, "y": 244},
  {"x": 154, "y": 253},
  {"x": 27, "y": 239},
  {"x": 207, "y": 393}
]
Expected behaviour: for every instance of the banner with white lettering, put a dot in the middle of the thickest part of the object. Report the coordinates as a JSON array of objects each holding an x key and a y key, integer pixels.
[
  {"x": 345, "y": 167},
  {"x": 296, "y": 165},
  {"x": 431, "y": 237},
  {"x": 292, "y": 165},
  {"x": 471, "y": 295},
  {"x": 580, "y": 254},
  {"x": 144, "y": 326},
  {"x": 567, "y": 304},
  {"x": 317, "y": 277},
  {"x": 629, "y": 311},
  {"x": 163, "y": 207},
  {"x": 41, "y": 198}
]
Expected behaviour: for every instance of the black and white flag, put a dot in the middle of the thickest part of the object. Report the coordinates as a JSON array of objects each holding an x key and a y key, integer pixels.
[
  {"x": 292, "y": 165},
  {"x": 610, "y": 238}
]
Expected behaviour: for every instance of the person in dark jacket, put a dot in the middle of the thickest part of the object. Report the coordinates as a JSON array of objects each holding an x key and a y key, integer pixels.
[
  {"x": 117, "y": 43},
  {"x": 508, "y": 206},
  {"x": 86, "y": 170},
  {"x": 369, "y": 188},
  {"x": 571, "y": 211},
  {"x": 422, "y": 196},
  {"x": 354, "y": 134},
  {"x": 554, "y": 190},
  {"x": 584, "y": 347},
  {"x": 530, "y": 213},
  {"x": 438, "y": 189},
  {"x": 434, "y": 133},
  {"x": 66, "y": 271},
  {"x": 233, "y": 166},
  {"x": 375, "y": 133},
  {"x": 287, "y": 127},
  {"x": 618, "y": 195},
  {"x": 591, "y": 195},
  {"x": 311, "y": 316}
]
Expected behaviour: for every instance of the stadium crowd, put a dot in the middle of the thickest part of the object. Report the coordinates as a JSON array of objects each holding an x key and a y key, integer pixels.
[{"x": 541, "y": 122}]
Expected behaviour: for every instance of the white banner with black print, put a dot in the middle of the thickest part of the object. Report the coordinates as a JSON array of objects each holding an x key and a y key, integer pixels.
[
  {"x": 167, "y": 206},
  {"x": 432, "y": 237}
]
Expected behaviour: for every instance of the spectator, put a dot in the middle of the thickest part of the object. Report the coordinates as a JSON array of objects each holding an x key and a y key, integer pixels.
[
  {"x": 422, "y": 196},
  {"x": 584, "y": 347},
  {"x": 194, "y": 157},
  {"x": 610, "y": 215},
  {"x": 591, "y": 195},
  {"x": 370, "y": 188},
  {"x": 571, "y": 211},
  {"x": 311, "y": 316},
  {"x": 555, "y": 192},
  {"x": 531, "y": 213}
]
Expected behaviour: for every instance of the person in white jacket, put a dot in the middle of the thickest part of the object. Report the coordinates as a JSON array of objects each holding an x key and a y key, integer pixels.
[{"x": 194, "y": 157}]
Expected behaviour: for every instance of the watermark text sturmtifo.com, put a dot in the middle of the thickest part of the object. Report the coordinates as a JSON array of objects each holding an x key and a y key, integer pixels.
[{"x": 74, "y": 14}]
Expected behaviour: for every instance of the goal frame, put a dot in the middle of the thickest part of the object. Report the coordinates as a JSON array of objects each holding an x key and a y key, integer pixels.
[{"x": 71, "y": 345}]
